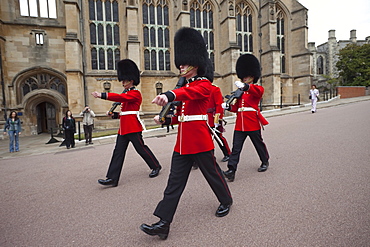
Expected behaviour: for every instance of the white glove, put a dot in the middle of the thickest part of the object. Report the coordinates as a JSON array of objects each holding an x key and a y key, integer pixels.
[
  {"x": 239, "y": 84},
  {"x": 216, "y": 125},
  {"x": 224, "y": 105}
]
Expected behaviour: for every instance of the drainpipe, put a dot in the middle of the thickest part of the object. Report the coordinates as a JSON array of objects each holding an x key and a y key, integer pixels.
[
  {"x": 260, "y": 42},
  {"x": 82, "y": 37},
  {"x": 3, "y": 84}
]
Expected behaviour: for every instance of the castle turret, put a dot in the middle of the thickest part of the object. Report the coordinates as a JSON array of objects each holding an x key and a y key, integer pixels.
[{"x": 353, "y": 36}]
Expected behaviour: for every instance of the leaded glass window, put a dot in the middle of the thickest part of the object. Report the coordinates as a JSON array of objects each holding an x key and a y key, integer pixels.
[
  {"x": 104, "y": 34},
  {"x": 281, "y": 39},
  {"x": 42, "y": 81},
  {"x": 320, "y": 65},
  {"x": 201, "y": 19},
  {"x": 244, "y": 25},
  {"x": 156, "y": 35},
  {"x": 38, "y": 8},
  {"x": 159, "y": 88}
]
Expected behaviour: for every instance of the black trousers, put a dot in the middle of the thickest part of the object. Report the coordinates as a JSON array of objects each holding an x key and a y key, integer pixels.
[
  {"x": 119, "y": 153},
  {"x": 181, "y": 166},
  {"x": 69, "y": 138},
  {"x": 238, "y": 141},
  {"x": 88, "y": 132}
]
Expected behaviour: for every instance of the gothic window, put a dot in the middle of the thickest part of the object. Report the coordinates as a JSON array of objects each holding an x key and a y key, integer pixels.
[
  {"x": 158, "y": 88},
  {"x": 39, "y": 39},
  {"x": 320, "y": 65},
  {"x": 104, "y": 34},
  {"x": 42, "y": 81},
  {"x": 94, "y": 58},
  {"x": 281, "y": 39},
  {"x": 58, "y": 85},
  {"x": 244, "y": 20},
  {"x": 38, "y": 8},
  {"x": 156, "y": 35},
  {"x": 92, "y": 33},
  {"x": 110, "y": 59},
  {"x": 201, "y": 19},
  {"x": 282, "y": 64}
]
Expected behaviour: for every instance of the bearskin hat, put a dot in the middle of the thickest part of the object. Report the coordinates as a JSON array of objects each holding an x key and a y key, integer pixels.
[
  {"x": 248, "y": 65},
  {"x": 190, "y": 49},
  {"x": 127, "y": 70}
]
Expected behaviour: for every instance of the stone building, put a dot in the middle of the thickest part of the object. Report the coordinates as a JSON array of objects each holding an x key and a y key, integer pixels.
[
  {"x": 325, "y": 57},
  {"x": 54, "y": 53}
]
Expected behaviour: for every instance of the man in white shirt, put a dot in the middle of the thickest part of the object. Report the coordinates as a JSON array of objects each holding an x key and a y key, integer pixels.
[{"x": 314, "y": 93}]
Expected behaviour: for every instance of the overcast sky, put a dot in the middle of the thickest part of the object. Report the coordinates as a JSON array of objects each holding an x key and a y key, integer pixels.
[{"x": 340, "y": 15}]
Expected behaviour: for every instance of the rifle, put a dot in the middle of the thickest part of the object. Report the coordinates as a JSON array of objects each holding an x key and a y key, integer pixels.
[
  {"x": 114, "y": 106},
  {"x": 234, "y": 95},
  {"x": 167, "y": 107}
]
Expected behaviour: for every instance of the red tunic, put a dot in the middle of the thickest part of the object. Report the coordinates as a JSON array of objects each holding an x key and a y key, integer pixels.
[
  {"x": 193, "y": 136},
  {"x": 249, "y": 120},
  {"x": 214, "y": 105},
  {"x": 130, "y": 101}
]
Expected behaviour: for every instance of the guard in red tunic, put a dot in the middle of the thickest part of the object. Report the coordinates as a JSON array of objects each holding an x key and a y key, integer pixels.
[
  {"x": 215, "y": 114},
  {"x": 249, "y": 118},
  {"x": 194, "y": 141},
  {"x": 131, "y": 126}
]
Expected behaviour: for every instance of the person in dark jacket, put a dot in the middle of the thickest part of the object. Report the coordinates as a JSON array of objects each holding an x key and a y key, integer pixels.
[
  {"x": 13, "y": 125},
  {"x": 69, "y": 126}
]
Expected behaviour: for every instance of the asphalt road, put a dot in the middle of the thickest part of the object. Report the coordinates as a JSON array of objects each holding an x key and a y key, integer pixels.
[{"x": 315, "y": 193}]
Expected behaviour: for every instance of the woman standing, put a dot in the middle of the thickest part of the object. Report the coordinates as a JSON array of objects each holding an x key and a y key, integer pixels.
[
  {"x": 13, "y": 124},
  {"x": 69, "y": 126}
]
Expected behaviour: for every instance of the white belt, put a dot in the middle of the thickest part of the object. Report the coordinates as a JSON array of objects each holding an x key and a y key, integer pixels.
[
  {"x": 123, "y": 113},
  {"x": 246, "y": 109},
  {"x": 188, "y": 118}
]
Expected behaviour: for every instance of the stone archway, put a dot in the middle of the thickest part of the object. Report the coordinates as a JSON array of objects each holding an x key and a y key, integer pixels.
[
  {"x": 41, "y": 93},
  {"x": 44, "y": 110}
]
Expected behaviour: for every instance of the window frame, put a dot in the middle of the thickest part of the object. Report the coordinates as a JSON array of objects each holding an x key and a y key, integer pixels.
[
  {"x": 36, "y": 9},
  {"x": 280, "y": 38},
  {"x": 201, "y": 19},
  {"x": 98, "y": 29},
  {"x": 244, "y": 11},
  {"x": 153, "y": 29}
]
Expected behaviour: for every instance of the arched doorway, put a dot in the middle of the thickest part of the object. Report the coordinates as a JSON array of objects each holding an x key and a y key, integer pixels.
[
  {"x": 46, "y": 117},
  {"x": 42, "y": 94}
]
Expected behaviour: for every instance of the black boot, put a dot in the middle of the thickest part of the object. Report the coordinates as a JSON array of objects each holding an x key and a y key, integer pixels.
[
  {"x": 223, "y": 209},
  {"x": 108, "y": 181},
  {"x": 155, "y": 172},
  {"x": 225, "y": 158},
  {"x": 263, "y": 166},
  {"x": 161, "y": 228},
  {"x": 230, "y": 175}
]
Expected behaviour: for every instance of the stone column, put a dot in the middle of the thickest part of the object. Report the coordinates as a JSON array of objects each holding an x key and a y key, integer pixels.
[{"x": 73, "y": 57}]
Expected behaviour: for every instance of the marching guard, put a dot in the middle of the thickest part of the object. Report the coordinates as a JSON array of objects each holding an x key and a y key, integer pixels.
[
  {"x": 194, "y": 141},
  {"x": 131, "y": 126},
  {"x": 249, "y": 118}
]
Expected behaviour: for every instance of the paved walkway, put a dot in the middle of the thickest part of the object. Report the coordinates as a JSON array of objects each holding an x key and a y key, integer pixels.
[
  {"x": 34, "y": 145},
  {"x": 315, "y": 192}
]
